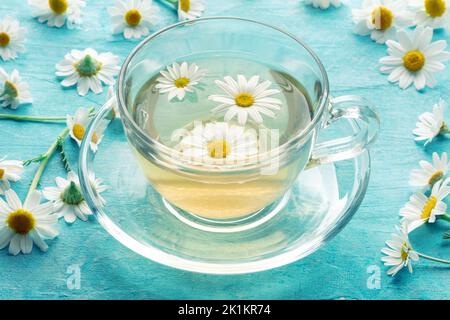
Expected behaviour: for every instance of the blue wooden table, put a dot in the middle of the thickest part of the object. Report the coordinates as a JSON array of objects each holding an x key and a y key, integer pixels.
[{"x": 344, "y": 269}]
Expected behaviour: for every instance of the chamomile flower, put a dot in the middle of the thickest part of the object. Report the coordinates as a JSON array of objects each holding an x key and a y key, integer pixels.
[
  {"x": 399, "y": 252},
  {"x": 431, "y": 124},
  {"x": 432, "y": 13},
  {"x": 98, "y": 188},
  {"x": 21, "y": 225},
  {"x": 10, "y": 170},
  {"x": 178, "y": 79},
  {"x": 133, "y": 18},
  {"x": 12, "y": 37},
  {"x": 414, "y": 59},
  {"x": 421, "y": 209},
  {"x": 382, "y": 19},
  {"x": 246, "y": 98},
  {"x": 68, "y": 201},
  {"x": 58, "y": 12},
  {"x": 216, "y": 142},
  {"x": 190, "y": 9},
  {"x": 323, "y": 4},
  {"x": 78, "y": 125},
  {"x": 430, "y": 173},
  {"x": 13, "y": 91},
  {"x": 88, "y": 69}
]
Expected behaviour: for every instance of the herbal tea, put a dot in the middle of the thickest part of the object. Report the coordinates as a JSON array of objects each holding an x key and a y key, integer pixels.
[{"x": 212, "y": 110}]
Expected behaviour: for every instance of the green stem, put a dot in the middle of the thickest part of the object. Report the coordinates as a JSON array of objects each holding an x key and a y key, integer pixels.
[
  {"x": 432, "y": 258},
  {"x": 47, "y": 155},
  {"x": 445, "y": 217},
  {"x": 64, "y": 157},
  {"x": 15, "y": 117}
]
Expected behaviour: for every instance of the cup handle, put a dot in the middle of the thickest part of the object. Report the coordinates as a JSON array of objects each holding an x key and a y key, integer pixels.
[{"x": 366, "y": 127}]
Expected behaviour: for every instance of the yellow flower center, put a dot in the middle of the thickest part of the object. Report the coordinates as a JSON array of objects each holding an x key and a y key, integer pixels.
[
  {"x": 414, "y": 60},
  {"x": 185, "y": 5},
  {"x": 435, "y": 177},
  {"x": 435, "y": 8},
  {"x": 404, "y": 253},
  {"x": 4, "y": 39},
  {"x": 181, "y": 82},
  {"x": 133, "y": 17},
  {"x": 58, "y": 6},
  {"x": 21, "y": 221},
  {"x": 428, "y": 207},
  {"x": 382, "y": 18},
  {"x": 95, "y": 138},
  {"x": 78, "y": 131},
  {"x": 2, "y": 173},
  {"x": 244, "y": 100},
  {"x": 218, "y": 149},
  {"x": 10, "y": 90}
]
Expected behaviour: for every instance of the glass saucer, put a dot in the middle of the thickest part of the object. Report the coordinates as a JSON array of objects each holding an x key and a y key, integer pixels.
[{"x": 320, "y": 203}]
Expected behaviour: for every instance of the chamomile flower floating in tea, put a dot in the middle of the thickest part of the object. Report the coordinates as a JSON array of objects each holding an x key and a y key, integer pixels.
[
  {"x": 190, "y": 9},
  {"x": 414, "y": 59},
  {"x": 133, "y": 18},
  {"x": 382, "y": 19},
  {"x": 77, "y": 125},
  {"x": 67, "y": 199},
  {"x": 10, "y": 170},
  {"x": 13, "y": 91},
  {"x": 323, "y": 4},
  {"x": 12, "y": 37},
  {"x": 58, "y": 12},
  {"x": 432, "y": 13},
  {"x": 246, "y": 98},
  {"x": 217, "y": 142},
  {"x": 88, "y": 69},
  {"x": 21, "y": 225},
  {"x": 178, "y": 79},
  {"x": 399, "y": 252},
  {"x": 430, "y": 173},
  {"x": 421, "y": 209},
  {"x": 431, "y": 124}
]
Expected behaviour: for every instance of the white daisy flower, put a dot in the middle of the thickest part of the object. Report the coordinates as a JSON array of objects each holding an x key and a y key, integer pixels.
[
  {"x": 216, "y": 142},
  {"x": 21, "y": 225},
  {"x": 246, "y": 98},
  {"x": 421, "y": 209},
  {"x": 382, "y": 19},
  {"x": 10, "y": 170},
  {"x": 323, "y": 4},
  {"x": 98, "y": 188},
  {"x": 88, "y": 69},
  {"x": 57, "y": 12},
  {"x": 432, "y": 13},
  {"x": 414, "y": 59},
  {"x": 190, "y": 9},
  {"x": 68, "y": 201},
  {"x": 431, "y": 124},
  {"x": 13, "y": 91},
  {"x": 132, "y": 17},
  {"x": 12, "y": 38},
  {"x": 399, "y": 252},
  {"x": 78, "y": 125},
  {"x": 429, "y": 173},
  {"x": 179, "y": 79}
]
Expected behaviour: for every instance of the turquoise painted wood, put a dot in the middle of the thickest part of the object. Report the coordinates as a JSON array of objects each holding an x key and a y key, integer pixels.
[{"x": 340, "y": 270}]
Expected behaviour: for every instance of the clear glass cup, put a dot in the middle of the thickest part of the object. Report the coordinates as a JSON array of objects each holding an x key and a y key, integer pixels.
[{"x": 238, "y": 191}]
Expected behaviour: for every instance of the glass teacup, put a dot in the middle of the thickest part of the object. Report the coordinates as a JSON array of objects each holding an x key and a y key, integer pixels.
[{"x": 237, "y": 190}]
